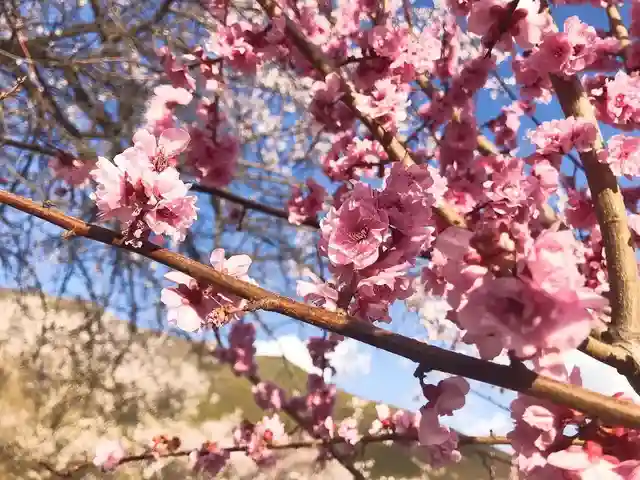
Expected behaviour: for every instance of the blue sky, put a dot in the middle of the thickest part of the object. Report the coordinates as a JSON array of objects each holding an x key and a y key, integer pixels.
[{"x": 381, "y": 376}]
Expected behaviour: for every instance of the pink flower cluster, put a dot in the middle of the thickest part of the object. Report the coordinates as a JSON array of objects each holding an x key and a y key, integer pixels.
[
  {"x": 143, "y": 190},
  {"x": 544, "y": 447},
  {"x": 351, "y": 157},
  {"x": 71, "y": 170},
  {"x": 257, "y": 438},
  {"x": 442, "y": 399},
  {"x": 546, "y": 306},
  {"x": 240, "y": 354},
  {"x": 372, "y": 237},
  {"x": 193, "y": 305},
  {"x": 558, "y": 137},
  {"x": 495, "y": 21},
  {"x": 214, "y": 151},
  {"x": 160, "y": 114},
  {"x": 304, "y": 209},
  {"x": 108, "y": 454},
  {"x": 209, "y": 460}
]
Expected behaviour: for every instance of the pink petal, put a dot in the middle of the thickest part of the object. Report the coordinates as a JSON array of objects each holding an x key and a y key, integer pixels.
[
  {"x": 454, "y": 242},
  {"x": 238, "y": 265},
  {"x": 570, "y": 459},
  {"x": 217, "y": 256},
  {"x": 179, "y": 278},
  {"x": 173, "y": 141},
  {"x": 539, "y": 417},
  {"x": 170, "y": 298},
  {"x": 187, "y": 319},
  {"x": 145, "y": 141}
]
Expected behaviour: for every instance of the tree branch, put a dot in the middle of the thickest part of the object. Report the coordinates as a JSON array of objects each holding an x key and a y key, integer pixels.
[
  {"x": 396, "y": 150},
  {"x": 609, "y": 410},
  {"x": 611, "y": 211},
  {"x": 365, "y": 440}
]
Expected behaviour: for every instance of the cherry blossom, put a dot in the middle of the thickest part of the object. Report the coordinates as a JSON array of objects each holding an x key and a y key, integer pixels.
[
  {"x": 302, "y": 209},
  {"x": 623, "y": 155},
  {"x": 71, "y": 170},
  {"x": 108, "y": 454},
  {"x": 192, "y": 305},
  {"x": 142, "y": 188}
]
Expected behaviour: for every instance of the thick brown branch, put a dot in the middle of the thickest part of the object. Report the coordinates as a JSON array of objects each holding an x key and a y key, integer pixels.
[
  {"x": 612, "y": 217},
  {"x": 607, "y": 409}
]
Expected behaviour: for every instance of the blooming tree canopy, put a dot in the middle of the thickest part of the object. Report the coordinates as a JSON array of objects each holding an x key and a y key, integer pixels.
[{"x": 478, "y": 153}]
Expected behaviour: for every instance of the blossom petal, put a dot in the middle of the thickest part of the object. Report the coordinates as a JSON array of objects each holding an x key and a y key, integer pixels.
[{"x": 173, "y": 141}]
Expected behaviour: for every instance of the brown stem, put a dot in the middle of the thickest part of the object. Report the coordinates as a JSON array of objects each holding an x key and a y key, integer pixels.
[
  {"x": 366, "y": 439},
  {"x": 618, "y": 28},
  {"x": 612, "y": 217},
  {"x": 250, "y": 204},
  {"x": 609, "y": 410}
]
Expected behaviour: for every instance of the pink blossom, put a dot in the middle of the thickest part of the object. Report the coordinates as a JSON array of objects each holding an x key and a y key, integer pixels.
[
  {"x": 318, "y": 293},
  {"x": 352, "y": 157},
  {"x": 188, "y": 304},
  {"x": 552, "y": 262},
  {"x": 304, "y": 209},
  {"x": 232, "y": 43},
  {"x": 191, "y": 305},
  {"x": 348, "y": 429},
  {"x": 623, "y": 155},
  {"x": 209, "y": 460},
  {"x": 526, "y": 23},
  {"x": 567, "y": 52},
  {"x": 213, "y": 156},
  {"x": 561, "y": 136},
  {"x": 71, "y": 170},
  {"x": 160, "y": 111},
  {"x": 177, "y": 74},
  {"x": 505, "y": 126},
  {"x": 327, "y": 106},
  {"x": 387, "y": 104},
  {"x": 580, "y": 212},
  {"x": 143, "y": 189},
  {"x": 268, "y": 396},
  {"x": 241, "y": 351},
  {"x": 354, "y": 233},
  {"x": 507, "y": 313},
  {"x": 440, "y": 442},
  {"x": 108, "y": 454},
  {"x": 533, "y": 83},
  {"x": 622, "y": 104},
  {"x": 539, "y": 423},
  {"x": 447, "y": 396},
  {"x": 163, "y": 151},
  {"x": 384, "y": 420},
  {"x": 319, "y": 347},
  {"x": 257, "y": 438}
]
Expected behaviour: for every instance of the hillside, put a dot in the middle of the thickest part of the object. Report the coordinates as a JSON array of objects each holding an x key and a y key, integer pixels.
[{"x": 71, "y": 374}]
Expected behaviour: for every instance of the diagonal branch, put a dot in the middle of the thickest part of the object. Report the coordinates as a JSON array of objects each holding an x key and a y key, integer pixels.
[
  {"x": 609, "y": 410},
  {"x": 396, "y": 150},
  {"x": 611, "y": 211}
]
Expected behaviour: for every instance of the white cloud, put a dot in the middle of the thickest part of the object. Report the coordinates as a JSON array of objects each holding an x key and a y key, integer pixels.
[
  {"x": 599, "y": 377},
  {"x": 291, "y": 348},
  {"x": 348, "y": 359}
]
